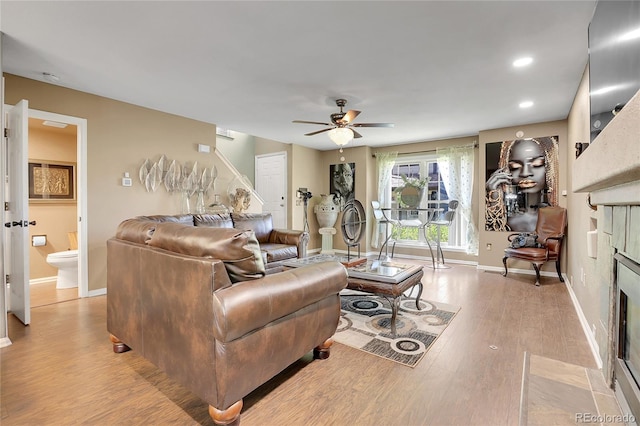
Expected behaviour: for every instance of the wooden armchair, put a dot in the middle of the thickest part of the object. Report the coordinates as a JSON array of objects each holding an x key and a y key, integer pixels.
[{"x": 552, "y": 222}]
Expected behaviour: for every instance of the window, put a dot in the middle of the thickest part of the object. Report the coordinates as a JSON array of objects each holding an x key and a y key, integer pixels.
[{"x": 434, "y": 196}]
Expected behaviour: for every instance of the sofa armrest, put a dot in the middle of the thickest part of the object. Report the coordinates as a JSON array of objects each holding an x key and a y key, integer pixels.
[
  {"x": 300, "y": 239},
  {"x": 250, "y": 305}
]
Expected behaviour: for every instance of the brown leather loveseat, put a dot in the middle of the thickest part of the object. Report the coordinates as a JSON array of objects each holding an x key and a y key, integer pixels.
[
  {"x": 197, "y": 303},
  {"x": 276, "y": 245}
]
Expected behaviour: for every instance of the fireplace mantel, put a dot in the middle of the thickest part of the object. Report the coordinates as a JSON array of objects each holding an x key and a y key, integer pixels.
[{"x": 610, "y": 167}]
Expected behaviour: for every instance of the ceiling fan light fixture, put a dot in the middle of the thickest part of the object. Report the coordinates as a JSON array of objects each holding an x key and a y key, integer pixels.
[{"x": 341, "y": 135}]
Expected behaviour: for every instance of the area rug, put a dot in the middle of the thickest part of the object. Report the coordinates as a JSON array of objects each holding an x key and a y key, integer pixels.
[{"x": 365, "y": 324}]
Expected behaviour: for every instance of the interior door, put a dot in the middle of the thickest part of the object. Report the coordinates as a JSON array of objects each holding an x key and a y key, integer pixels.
[
  {"x": 17, "y": 218},
  {"x": 271, "y": 184}
]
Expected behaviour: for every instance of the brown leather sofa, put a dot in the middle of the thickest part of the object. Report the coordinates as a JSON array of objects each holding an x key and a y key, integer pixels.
[
  {"x": 196, "y": 302},
  {"x": 276, "y": 245}
]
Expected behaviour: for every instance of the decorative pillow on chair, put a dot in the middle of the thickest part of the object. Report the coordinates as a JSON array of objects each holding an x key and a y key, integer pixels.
[{"x": 525, "y": 239}]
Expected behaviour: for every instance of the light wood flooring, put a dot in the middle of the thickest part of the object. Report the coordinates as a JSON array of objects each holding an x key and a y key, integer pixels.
[
  {"x": 47, "y": 293},
  {"x": 61, "y": 370}
]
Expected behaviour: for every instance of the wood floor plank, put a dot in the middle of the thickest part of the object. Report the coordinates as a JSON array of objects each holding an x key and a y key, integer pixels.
[{"x": 61, "y": 369}]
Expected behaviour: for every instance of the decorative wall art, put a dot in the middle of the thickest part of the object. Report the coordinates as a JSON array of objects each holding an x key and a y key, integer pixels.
[
  {"x": 187, "y": 179},
  {"x": 521, "y": 176},
  {"x": 342, "y": 183},
  {"x": 54, "y": 182}
]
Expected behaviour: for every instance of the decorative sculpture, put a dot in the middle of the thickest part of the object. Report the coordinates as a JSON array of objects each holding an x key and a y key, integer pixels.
[{"x": 240, "y": 200}]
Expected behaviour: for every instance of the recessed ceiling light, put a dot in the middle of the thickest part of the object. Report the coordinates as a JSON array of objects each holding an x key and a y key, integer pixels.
[
  {"x": 526, "y": 104},
  {"x": 54, "y": 124},
  {"x": 522, "y": 62}
]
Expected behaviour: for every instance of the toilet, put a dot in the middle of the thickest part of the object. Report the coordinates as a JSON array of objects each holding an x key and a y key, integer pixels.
[{"x": 67, "y": 264}]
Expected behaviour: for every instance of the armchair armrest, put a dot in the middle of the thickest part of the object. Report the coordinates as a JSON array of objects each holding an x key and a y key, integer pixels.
[
  {"x": 510, "y": 236},
  {"x": 250, "y": 305},
  {"x": 558, "y": 237},
  {"x": 553, "y": 243},
  {"x": 300, "y": 239}
]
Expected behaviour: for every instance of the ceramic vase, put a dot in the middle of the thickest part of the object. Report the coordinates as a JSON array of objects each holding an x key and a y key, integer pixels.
[{"x": 326, "y": 211}]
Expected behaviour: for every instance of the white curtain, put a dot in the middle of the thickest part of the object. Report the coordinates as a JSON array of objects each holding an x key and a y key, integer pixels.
[
  {"x": 385, "y": 162},
  {"x": 456, "y": 168}
]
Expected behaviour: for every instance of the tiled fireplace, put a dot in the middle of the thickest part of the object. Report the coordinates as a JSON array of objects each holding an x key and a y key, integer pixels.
[{"x": 609, "y": 170}]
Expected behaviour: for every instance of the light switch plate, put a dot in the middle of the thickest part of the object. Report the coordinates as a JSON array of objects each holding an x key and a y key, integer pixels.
[{"x": 126, "y": 181}]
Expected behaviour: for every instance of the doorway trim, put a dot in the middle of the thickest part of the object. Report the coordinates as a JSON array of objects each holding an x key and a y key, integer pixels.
[{"x": 81, "y": 176}]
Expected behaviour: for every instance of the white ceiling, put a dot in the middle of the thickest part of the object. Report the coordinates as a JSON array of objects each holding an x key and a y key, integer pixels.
[{"x": 436, "y": 69}]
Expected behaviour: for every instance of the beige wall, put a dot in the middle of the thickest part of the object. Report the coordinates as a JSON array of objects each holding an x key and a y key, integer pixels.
[
  {"x": 493, "y": 257},
  {"x": 53, "y": 219},
  {"x": 119, "y": 137},
  {"x": 589, "y": 278},
  {"x": 236, "y": 149},
  {"x": 306, "y": 172}
]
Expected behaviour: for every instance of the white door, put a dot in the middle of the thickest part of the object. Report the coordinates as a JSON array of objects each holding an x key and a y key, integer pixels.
[
  {"x": 17, "y": 220},
  {"x": 271, "y": 184}
]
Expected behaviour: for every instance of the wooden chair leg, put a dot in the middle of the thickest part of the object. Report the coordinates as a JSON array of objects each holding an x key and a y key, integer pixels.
[
  {"x": 558, "y": 270},
  {"x": 118, "y": 346},
  {"x": 324, "y": 350},
  {"x": 537, "y": 269},
  {"x": 230, "y": 416},
  {"x": 504, "y": 262}
]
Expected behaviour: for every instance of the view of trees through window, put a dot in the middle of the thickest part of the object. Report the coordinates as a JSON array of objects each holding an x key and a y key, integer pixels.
[{"x": 434, "y": 196}]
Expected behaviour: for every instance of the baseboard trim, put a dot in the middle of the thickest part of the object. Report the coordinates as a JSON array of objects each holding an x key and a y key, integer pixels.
[
  {"x": 517, "y": 271},
  {"x": 595, "y": 348},
  {"x": 98, "y": 292},
  {"x": 375, "y": 254},
  {"x": 43, "y": 280},
  {"x": 4, "y": 342}
]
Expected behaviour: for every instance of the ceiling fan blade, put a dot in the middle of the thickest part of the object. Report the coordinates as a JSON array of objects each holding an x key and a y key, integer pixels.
[
  {"x": 356, "y": 134},
  {"x": 318, "y": 131},
  {"x": 373, "y": 125},
  {"x": 350, "y": 116},
  {"x": 312, "y": 122}
]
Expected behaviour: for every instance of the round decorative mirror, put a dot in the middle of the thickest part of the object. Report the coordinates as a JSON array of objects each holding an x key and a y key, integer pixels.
[
  {"x": 410, "y": 196},
  {"x": 353, "y": 222}
]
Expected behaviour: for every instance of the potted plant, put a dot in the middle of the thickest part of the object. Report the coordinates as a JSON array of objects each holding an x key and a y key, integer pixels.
[{"x": 410, "y": 193}]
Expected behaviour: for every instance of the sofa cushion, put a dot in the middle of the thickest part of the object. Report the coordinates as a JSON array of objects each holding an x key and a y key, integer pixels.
[
  {"x": 260, "y": 223},
  {"x": 213, "y": 220},
  {"x": 136, "y": 230},
  {"x": 187, "y": 219},
  {"x": 238, "y": 250},
  {"x": 278, "y": 252}
]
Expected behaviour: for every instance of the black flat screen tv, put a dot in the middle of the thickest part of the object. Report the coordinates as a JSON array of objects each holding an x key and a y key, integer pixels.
[{"x": 614, "y": 59}]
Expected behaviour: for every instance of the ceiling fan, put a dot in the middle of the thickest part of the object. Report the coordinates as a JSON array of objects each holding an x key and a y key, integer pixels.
[{"x": 341, "y": 127}]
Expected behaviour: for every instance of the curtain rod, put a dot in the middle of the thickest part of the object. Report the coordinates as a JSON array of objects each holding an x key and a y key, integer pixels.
[{"x": 475, "y": 145}]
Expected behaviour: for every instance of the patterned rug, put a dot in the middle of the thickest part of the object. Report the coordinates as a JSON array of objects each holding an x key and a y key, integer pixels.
[{"x": 365, "y": 324}]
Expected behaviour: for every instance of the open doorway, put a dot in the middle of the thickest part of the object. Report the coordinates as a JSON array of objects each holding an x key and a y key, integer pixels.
[
  {"x": 58, "y": 261},
  {"x": 53, "y": 153}
]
